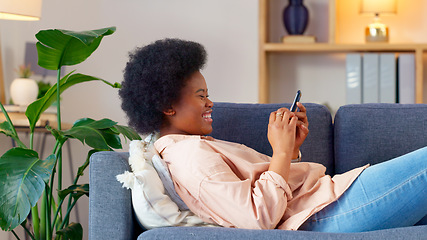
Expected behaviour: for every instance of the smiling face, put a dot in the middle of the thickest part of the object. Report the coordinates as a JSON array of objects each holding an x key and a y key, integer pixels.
[{"x": 191, "y": 115}]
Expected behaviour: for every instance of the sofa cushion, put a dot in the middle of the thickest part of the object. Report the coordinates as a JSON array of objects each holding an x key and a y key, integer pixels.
[
  {"x": 247, "y": 124},
  {"x": 373, "y": 133}
]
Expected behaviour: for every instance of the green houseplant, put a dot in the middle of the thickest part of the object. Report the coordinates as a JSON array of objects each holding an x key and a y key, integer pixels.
[{"x": 30, "y": 180}]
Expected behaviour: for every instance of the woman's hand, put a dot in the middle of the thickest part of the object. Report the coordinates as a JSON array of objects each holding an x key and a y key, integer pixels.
[
  {"x": 282, "y": 128},
  {"x": 286, "y": 133},
  {"x": 282, "y": 131},
  {"x": 302, "y": 129}
]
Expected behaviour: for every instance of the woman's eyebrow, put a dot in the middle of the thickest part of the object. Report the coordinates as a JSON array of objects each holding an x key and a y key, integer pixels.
[{"x": 200, "y": 90}]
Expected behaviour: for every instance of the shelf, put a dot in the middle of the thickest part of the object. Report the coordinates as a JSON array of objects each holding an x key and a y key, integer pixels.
[
  {"x": 266, "y": 47},
  {"x": 330, "y": 47}
]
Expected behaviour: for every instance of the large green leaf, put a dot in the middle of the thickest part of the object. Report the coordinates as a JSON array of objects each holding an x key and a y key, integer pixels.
[
  {"x": 35, "y": 109},
  {"x": 57, "y": 48},
  {"x": 23, "y": 176},
  {"x": 96, "y": 134},
  {"x": 73, "y": 231},
  {"x": 128, "y": 132},
  {"x": 83, "y": 167}
]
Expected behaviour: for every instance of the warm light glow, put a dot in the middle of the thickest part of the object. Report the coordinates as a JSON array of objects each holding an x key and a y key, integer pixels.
[
  {"x": 378, "y": 6},
  {"x": 25, "y": 10}
]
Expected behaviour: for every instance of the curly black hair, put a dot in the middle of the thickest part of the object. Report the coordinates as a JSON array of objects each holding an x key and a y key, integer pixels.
[{"x": 154, "y": 77}]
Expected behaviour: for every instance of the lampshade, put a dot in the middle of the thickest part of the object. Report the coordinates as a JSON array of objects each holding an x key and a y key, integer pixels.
[
  {"x": 26, "y": 10},
  {"x": 378, "y": 6}
]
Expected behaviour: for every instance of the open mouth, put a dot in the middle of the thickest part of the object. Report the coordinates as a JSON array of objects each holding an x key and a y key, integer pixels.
[{"x": 207, "y": 116}]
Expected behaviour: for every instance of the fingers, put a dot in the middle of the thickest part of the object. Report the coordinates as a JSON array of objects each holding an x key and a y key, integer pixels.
[
  {"x": 281, "y": 115},
  {"x": 301, "y": 107},
  {"x": 303, "y": 127},
  {"x": 302, "y": 115}
]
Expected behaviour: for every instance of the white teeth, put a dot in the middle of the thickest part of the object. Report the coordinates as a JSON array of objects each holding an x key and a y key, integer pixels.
[{"x": 207, "y": 116}]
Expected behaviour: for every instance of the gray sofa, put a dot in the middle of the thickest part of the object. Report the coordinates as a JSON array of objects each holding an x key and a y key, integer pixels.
[{"x": 359, "y": 134}]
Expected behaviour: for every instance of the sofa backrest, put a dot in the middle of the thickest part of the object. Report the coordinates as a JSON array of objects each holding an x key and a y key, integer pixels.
[
  {"x": 373, "y": 133},
  {"x": 247, "y": 124}
]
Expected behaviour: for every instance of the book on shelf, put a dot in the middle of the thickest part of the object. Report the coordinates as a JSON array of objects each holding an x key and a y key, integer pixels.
[
  {"x": 388, "y": 78},
  {"x": 299, "y": 39},
  {"x": 353, "y": 78},
  {"x": 380, "y": 78},
  {"x": 370, "y": 79},
  {"x": 406, "y": 78}
]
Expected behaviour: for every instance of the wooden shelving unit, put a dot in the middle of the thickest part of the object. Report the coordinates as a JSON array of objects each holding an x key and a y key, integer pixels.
[{"x": 265, "y": 48}]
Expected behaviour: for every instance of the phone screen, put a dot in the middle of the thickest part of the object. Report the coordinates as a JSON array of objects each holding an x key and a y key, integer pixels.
[{"x": 294, "y": 103}]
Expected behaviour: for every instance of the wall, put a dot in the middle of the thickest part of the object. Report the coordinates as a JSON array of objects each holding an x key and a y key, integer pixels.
[{"x": 228, "y": 30}]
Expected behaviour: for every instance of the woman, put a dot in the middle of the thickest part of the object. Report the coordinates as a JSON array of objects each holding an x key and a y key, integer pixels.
[{"x": 234, "y": 186}]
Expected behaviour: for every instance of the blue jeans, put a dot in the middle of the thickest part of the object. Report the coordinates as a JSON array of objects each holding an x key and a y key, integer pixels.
[{"x": 387, "y": 195}]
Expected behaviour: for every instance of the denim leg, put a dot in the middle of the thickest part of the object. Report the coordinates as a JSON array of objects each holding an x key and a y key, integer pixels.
[{"x": 387, "y": 195}]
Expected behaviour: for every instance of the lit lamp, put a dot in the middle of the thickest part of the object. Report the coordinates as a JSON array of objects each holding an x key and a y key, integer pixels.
[
  {"x": 24, "y": 10},
  {"x": 377, "y": 31}
]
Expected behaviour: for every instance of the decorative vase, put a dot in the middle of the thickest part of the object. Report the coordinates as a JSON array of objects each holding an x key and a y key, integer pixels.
[
  {"x": 295, "y": 17},
  {"x": 23, "y": 91}
]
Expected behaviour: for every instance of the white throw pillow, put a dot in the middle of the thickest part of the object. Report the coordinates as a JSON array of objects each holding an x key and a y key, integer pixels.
[{"x": 152, "y": 206}]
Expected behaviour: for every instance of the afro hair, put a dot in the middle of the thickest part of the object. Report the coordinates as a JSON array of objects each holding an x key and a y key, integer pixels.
[{"x": 154, "y": 77}]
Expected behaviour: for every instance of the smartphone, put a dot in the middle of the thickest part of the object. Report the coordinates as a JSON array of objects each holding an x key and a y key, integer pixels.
[{"x": 294, "y": 104}]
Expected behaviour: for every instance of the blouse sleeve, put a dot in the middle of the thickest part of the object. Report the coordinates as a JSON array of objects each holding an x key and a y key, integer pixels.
[{"x": 233, "y": 202}]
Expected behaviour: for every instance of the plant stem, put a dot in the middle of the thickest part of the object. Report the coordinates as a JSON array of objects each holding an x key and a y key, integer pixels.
[
  {"x": 59, "y": 159},
  {"x": 27, "y": 231},
  {"x": 48, "y": 215},
  {"x": 43, "y": 216},
  {"x": 58, "y": 113},
  {"x": 58, "y": 100},
  {"x": 36, "y": 221},
  {"x": 31, "y": 139},
  {"x": 57, "y": 212},
  {"x": 54, "y": 209},
  {"x": 56, "y": 150},
  {"x": 15, "y": 235},
  {"x": 59, "y": 154},
  {"x": 67, "y": 215}
]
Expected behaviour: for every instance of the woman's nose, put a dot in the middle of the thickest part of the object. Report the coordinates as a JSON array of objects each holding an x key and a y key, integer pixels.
[{"x": 209, "y": 103}]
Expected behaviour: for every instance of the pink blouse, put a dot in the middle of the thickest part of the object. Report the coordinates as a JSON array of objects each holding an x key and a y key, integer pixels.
[{"x": 229, "y": 184}]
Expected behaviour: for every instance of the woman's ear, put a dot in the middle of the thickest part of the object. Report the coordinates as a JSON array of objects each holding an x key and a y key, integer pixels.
[{"x": 169, "y": 112}]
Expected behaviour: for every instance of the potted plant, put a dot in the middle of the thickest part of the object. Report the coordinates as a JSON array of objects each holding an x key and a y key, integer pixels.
[
  {"x": 23, "y": 89},
  {"x": 30, "y": 178}
]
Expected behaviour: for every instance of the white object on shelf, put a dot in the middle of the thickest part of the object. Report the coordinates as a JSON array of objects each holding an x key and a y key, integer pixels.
[{"x": 23, "y": 91}]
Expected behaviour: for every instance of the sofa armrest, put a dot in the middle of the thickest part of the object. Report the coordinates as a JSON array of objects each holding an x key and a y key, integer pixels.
[
  {"x": 110, "y": 206},
  {"x": 373, "y": 133}
]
